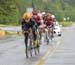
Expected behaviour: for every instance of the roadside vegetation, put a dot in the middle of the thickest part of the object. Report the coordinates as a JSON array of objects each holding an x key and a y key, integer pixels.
[
  {"x": 66, "y": 23},
  {"x": 11, "y": 11}
]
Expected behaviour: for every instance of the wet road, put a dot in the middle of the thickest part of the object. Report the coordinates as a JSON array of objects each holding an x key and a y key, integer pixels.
[
  {"x": 12, "y": 51},
  {"x": 11, "y": 28},
  {"x": 61, "y": 51},
  {"x": 65, "y": 53}
]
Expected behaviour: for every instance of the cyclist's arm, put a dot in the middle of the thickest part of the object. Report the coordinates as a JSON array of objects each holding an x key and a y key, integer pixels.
[
  {"x": 22, "y": 25},
  {"x": 32, "y": 21},
  {"x": 24, "y": 28}
]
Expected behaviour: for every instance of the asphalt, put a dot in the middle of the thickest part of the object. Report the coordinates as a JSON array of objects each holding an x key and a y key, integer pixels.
[
  {"x": 65, "y": 53},
  {"x": 12, "y": 51},
  {"x": 60, "y": 51}
]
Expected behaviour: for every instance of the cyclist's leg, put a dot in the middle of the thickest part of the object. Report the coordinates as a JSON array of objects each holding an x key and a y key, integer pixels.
[
  {"x": 46, "y": 35},
  {"x": 49, "y": 32},
  {"x": 26, "y": 43},
  {"x": 52, "y": 33},
  {"x": 35, "y": 39},
  {"x": 34, "y": 35},
  {"x": 40, "y": 35},
  {"x": 36, "y": 43}
]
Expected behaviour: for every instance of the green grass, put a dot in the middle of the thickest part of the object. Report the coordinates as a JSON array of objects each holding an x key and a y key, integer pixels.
[
  {"x": 19, "y": 33},
  {"x": 9, "y": 34},
  {"x": 66, "y": 23},
  {"x": 5, "y": 25},
  {"x": 2, "y": 25}
]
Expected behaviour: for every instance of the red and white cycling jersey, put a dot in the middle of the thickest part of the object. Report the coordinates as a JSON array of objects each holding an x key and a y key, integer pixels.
[{"x": 42, "y": 25}]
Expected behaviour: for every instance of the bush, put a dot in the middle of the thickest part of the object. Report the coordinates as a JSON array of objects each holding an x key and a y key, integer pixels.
[{"x": 66, "y": 23}]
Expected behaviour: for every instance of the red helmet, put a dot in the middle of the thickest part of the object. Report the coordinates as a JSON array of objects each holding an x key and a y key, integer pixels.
[
  {"x": 38, "y": 18},
  {"x": 34, "y": 12}
]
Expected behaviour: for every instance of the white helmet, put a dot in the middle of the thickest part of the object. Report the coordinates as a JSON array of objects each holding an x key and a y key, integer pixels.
[
  {"x": 43, "y": 13},
  {"x": 53, "y": 16}
]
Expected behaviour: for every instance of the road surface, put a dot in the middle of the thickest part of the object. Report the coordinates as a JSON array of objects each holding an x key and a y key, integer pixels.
[
  {"x": 61, "y": 51},
  {"x": 65, "y": 53},
  {"x": 11, "y": 28}
]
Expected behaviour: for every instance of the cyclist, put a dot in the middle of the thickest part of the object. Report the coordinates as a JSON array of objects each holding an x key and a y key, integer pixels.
[
  {"x": 37, "y": 18},
  {"x": 27, "y": 23},
  {"x": 48, "y": 20},
  {"x": 38, "y": 22}
]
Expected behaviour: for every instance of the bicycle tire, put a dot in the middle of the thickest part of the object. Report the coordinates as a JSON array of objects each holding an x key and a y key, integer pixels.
[
  {"x": 38, "y": 48},
  {"x": 31, "y": 48},
  {"x": 26, "y": 51}
]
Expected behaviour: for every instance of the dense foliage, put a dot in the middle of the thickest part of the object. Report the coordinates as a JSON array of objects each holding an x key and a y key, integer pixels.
[{"x": 11, "y": 10}]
